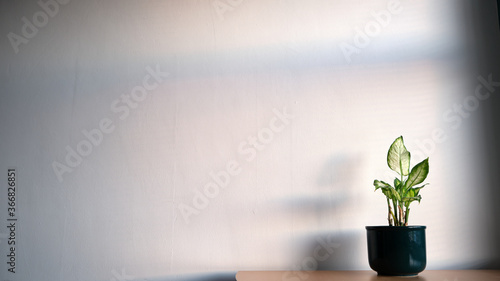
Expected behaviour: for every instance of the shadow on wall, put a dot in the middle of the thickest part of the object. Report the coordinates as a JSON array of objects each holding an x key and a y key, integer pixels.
[
  {"x": 335, "y": 191},
  {"x": 339, "y": 171},
  {"x": 338, "y": 249},
  {"x": 485, "y": 44},
  {"x": 331, "y": 251},
  {"x": 226, "y": 276}
]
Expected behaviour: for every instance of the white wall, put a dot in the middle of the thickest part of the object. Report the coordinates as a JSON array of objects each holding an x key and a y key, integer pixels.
[{"x": 227, "y": 71}]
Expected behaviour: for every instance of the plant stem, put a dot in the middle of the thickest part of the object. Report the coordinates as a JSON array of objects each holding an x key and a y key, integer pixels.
[
  {"x": 393, "y": 218},
  {"x": 396, "y": 219},
  {"x": 389, "y": 218},
  {"x": 402, "y": 191},
  {"x": 401, "y": 216},
  {"x": 407, "y": 214}
]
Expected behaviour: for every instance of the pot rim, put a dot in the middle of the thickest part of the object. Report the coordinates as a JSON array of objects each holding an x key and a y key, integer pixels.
[{"x": 395, "y": 228}]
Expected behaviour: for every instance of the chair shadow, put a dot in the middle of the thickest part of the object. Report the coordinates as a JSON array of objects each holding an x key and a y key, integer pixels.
[{"x": 331, "y": 251}]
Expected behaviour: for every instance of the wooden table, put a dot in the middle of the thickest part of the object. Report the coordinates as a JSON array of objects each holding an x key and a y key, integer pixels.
[{"x": 426, "y": 275}]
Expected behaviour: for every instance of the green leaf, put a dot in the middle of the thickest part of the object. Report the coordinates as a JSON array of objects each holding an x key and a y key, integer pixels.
[
  {"x": 411, "y": 199},
  {"x": 380, "y": 184},
  {"x": 398, "y": 157},
  {"x": 387, "y": 189},
  {"x": 411, "y": 192},
  {"x": 393, "y": 194},
  {"x": 418, "y": 173},
  {"x": 397, "y": 184},
  {"x": 387, "y": 192},
  {"x": 407, "y": 200},
  {"x": 417, "y": 189}
]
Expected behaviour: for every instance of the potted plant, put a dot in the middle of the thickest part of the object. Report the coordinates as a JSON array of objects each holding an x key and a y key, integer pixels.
[{"x": 399, "y": 249}]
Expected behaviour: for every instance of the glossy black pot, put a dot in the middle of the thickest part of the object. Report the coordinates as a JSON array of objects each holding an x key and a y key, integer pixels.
[{"x": 396, "y": 250}]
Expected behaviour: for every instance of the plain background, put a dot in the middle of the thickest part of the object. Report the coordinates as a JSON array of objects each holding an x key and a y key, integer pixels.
[{"x": 235, "y": 68}]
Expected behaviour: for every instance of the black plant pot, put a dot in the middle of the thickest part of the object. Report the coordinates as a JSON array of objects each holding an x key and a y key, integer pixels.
[{"x": 396, "y": 250}]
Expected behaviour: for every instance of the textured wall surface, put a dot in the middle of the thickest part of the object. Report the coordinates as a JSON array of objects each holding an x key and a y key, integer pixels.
[{"x": 157, "y": 138}]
